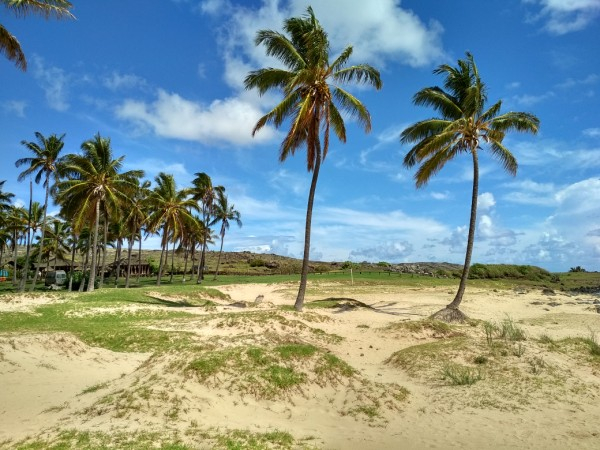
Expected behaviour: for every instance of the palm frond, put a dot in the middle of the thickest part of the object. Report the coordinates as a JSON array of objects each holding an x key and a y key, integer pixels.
[
  {"x": 361, "y": 74},
  {"x": 10, "y": 46},
  {"x": 280, "y": 47},
  {"x": 354, "y": 107},
  {"x": 440, "y": 101}
]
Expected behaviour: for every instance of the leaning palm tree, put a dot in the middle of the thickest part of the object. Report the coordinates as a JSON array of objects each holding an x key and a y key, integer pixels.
[
  {"x": 224, "y": 213},
  {"x": 464, "y": 126},
  {"x": 9, "y": 45},
  {"x": 134, "y": 221},
  {"x": 313, "y": 99},
  {"x": 93, "y": 184},
  {"x": 43, "y": 163}
]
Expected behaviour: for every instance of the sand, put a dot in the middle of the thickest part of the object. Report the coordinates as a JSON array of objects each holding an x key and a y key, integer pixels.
[{"x": 543, "y": 400}]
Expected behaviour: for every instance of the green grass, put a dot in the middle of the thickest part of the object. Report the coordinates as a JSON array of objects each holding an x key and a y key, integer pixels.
[{"x": 459, "y": 375}]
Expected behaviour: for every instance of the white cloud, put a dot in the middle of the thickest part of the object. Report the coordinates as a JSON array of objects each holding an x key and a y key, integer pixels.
[
  {"x": 566, "y": 16},
  {"x": 170, "y": 115},
  {"x": 592, "y": 132},
  {"x": 16, "y": 107},
  {"x": 117, "y": 81},
  {"x": 389, "y": 251},
  {"x": 529, "y": 100},
  {"x": 529, "y": 192},
  {"x": 54, "y": 81},
  {"x": 485, "y": 201}
]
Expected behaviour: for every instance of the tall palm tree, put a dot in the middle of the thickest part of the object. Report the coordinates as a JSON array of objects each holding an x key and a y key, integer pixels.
[
  {"x": 93, "y": 184},
  {"x": 16, "y": 224},
  {"x": 43, "y": 163},
  {"x": 134, "y": 221},
  {"x": 5, "y": 198},
  {"x": 313, "y": 99},
  {"x": 9, "y": 45},
  {"x": 225, "y": 214},
  {"x": 204, "y": 192},
  {"x": 465, "y": 124},
  {"x": 170, "y": 211}
]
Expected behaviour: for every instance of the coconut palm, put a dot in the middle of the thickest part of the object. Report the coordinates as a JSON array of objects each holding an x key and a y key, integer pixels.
[
  {"x": 5, "y": 198},
  {"x": 9, "y": 45},
  {"x": 205, "y": 193},
  {"x": 170, "y": 212},
  {"x": 16, "y": 224},
  {"x": 93, "y": 185},
  {"x": 224, "y": 213},
  {"x": 465, "y": 125},
  {"x": 43, "y": 163},
  {"x": 313, "y": 99},
  {"x": 134, "y": 221}
]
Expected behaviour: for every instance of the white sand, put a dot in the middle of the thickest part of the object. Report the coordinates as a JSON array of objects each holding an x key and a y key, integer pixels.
[{"x": 42, "y": 377}]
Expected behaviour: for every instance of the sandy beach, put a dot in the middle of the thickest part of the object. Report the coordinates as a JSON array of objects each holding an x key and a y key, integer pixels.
[{"x": 539, "y": 392}]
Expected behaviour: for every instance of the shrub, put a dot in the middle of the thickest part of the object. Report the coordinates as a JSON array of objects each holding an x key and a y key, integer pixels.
[{"x": 257, "y": 262}]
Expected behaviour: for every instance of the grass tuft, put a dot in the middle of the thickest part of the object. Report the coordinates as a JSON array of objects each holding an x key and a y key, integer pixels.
[{"x": 461, "y": 375}]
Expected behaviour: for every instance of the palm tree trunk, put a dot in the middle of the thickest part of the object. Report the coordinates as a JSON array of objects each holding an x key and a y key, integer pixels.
[
  {"x": 39, "y": 258},
  {"x": 92, "y": 280},
  {"x": 311, "y": 197},
  {"x": 72, "y": 263},
  {"x": 139, "y": 259},
  {"x": 14, "y": 280},
  {"x": 185, "y": 263},
  {"x": 85, "y": 266},
  {"x": 129, "y": 249},
  {"x": 105, "y": 244},
  {"x": 219, "y": 258},
  {"x": 118, "y": 262},
  {"x": 172, "y": 262},
  {"x": 160, "y": 264},
  {"x": 29, "y": 237}
]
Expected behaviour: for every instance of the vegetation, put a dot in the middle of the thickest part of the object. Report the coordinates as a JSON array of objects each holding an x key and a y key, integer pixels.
[
  {"x": 312, "y": 102},
  {"x": 464, "y": 126},
  {"x": 9, "y": 45}
]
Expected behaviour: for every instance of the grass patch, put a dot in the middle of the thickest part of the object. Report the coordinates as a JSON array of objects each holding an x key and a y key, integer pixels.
[{"x": 461, "y": 375}]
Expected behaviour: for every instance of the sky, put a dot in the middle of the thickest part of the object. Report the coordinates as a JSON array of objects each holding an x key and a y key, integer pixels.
[{"x": 163, "y": 79}]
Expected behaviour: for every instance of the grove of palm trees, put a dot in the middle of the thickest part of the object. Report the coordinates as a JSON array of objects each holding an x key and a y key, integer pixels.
[{"x": 189, "y": 346}]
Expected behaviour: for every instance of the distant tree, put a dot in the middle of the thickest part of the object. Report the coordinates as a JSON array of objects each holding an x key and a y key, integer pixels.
[
  {"x": 463, "y": 126},
  {"x": 9, "y": 45},
  {"x": 93, "y": 183},
  {"x": 224, "y": 213},
  {"x": 577, "y": 269},
  {"x": 313, "y": 100},
  {"x": 44, "y": 164}
]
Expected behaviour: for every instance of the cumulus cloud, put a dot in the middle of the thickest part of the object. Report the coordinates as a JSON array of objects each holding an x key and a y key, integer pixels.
[
  {"x": 371, "y": 30},
  {"x": 170, "y": 115},
  {"x": 389, "y": 251},
  {"x": 485, "y": 201},
  {"x": 592, "y": 132},
  {"x": 566, "y": 16},
  {"x": 54, "y": 81}
]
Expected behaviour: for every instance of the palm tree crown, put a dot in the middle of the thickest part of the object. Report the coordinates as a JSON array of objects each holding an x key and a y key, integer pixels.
[
  {"x": 313, "y": 98},
  {"x": 464, "y": 126},
  {"x": 9, "y": 45}
]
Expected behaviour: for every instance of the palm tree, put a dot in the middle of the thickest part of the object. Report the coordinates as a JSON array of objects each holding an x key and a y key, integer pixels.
[
  {"x": 44, "y": 164},
  {"x": 225, "y": 214},
  {"x": 134, "y": 221},
  {"x": 464, "y": 126},
  {"x": 93, "y": 185},
  {"x": 171, "y": 211},
  {"x": 9, "y": 45},
  {"x": 311, "y": 101},
  {"x": 5, "y": 198},
  {"x": 204, "y": 192},
  {"x": 16, "y": 224}
]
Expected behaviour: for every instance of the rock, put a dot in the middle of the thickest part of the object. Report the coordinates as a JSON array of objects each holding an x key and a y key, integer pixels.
[
  {"x": 259, "y": 299},
  {"x": 548, "y": 291}
]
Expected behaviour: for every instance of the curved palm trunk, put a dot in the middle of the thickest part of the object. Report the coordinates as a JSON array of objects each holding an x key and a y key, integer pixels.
[
  {"x": 220, "y": 253},
  {"x": 311, "y": 197},
  {"x": 39, "y": 258},
  {"x": 451, "y": 313},
  {"x": 93, "y": 267},
  {"x": 15, "y": 239}
]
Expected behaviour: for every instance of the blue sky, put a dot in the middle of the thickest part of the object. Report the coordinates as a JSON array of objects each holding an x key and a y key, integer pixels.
[{"x": 164, "y": 80}]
